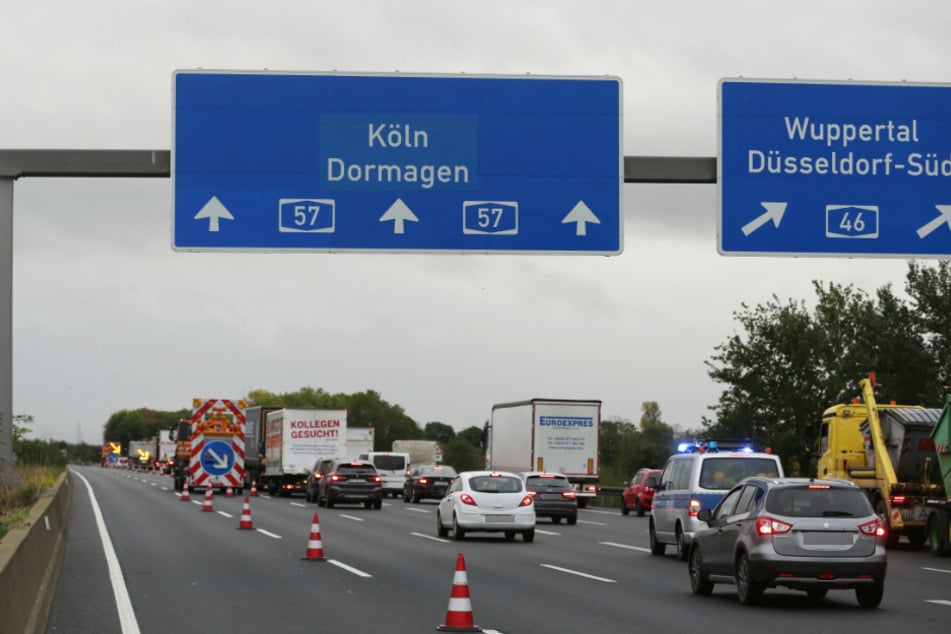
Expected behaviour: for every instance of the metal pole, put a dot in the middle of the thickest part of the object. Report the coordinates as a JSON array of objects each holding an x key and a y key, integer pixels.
[{"x": 7, "y": 468}]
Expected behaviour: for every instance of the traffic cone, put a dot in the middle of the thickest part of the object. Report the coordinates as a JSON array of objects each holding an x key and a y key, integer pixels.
[
  {"x": 315, "y": 549},
  {"x": 229, "y": 493},
  {"x": 254, "y": 488},
  {"x": 207, "y": 505},
  {"x": 459, "y": 614},
  {"x": 246, "y": 514},
  {"x": 185, "y": 496}
]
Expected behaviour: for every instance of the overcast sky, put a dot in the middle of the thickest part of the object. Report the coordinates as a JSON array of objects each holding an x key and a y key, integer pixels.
[{"x": 106, "y": 316}]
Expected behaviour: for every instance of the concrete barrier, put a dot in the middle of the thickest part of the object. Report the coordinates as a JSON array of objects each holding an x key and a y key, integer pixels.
[{"x": 31, "y": 559}]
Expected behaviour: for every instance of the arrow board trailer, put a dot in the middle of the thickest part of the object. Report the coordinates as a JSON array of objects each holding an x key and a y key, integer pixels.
[
  {"x": 331, "y": 162},
  {"x": 296, "y": 440},
  {"x": 834, "y": 169},
  {"x": 217, "y": 444}
]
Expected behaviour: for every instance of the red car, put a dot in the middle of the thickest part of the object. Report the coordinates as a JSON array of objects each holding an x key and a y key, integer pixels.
[{"x": 638, "y": 495}]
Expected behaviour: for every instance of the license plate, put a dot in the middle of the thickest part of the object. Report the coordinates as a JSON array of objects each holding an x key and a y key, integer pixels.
[
  {"x": 818, "y": 538},
  {"x": 498, "y": 518}
]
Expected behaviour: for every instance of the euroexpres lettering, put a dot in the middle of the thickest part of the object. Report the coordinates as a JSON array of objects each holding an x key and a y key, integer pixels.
[{"x": 566, "y": 421}]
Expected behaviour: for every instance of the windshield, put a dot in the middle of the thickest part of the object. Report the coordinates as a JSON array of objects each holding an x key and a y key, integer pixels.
[
  {"x": 724, "y": 472},
  {"x": 437, "y": 471},
  {"x": 389, "y": 463},
  {"x": 808, "y": 501},
  {"x": 537, "y": 483},
  {"x": 495, "y": 484}
]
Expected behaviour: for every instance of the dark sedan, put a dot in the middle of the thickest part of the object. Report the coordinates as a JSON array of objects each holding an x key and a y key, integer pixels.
[
  {"x": 804, "y": 534},
  {"x": 554, "y": 496},
  {"x": 428, "y": 482},
  {"x": 351, "y": 482}
]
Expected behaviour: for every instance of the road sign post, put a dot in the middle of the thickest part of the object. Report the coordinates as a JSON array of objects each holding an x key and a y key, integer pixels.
[
  {"x": 417, "y": 163},
  {"x": 840, "y": 169}
]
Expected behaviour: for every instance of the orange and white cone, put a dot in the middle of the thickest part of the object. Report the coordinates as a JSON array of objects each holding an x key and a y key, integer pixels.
[
  {"x": 254, "y": 488},
  {"x": 315, "y": 549},
  {"x": 229, "y": 493},
  {"x": 459, "y": 614},
  {"x": 207, "y": 505},
  {"x": 185, "y": 496},
  {"x": 246, "y": 514}
]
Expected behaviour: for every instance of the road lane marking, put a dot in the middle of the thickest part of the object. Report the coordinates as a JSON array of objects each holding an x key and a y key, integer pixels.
[
  {"x": 541, "y": 532},
  {"x": 352, "y": 517},
  {"x": 127, "y": 620},
  {"x": 441, "y": 540},
  {"x": 602, "y": 512},
  {"x": 936, "y": 570},
  {"x": 415, "y": 510},
  {"x": 355, "y": 571},
  {"x": 223, "y": 514},
  {"x": 938, "y": 601},
  {"x": 578, "y": 573},
  {"x": 616, "y": 545},
  {"x": 303, "y": 506},
  {"x": 592, "y": 523},
  {"x": 268, "y": 533}
]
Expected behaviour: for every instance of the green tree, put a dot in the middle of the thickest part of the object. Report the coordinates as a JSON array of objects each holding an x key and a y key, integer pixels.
[
  {"x": 930, "y": 291},
  {"x": 440, "y": 432}
]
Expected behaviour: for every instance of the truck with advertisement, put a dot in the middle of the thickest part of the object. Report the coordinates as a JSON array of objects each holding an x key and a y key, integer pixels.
[
  {"x": 210, "y": 446},
  {"x": 254, "y": 438},
  {"x": 888, "y": 451},
  {"x": 548, "y": 435},
  {"x": 420, "y": 451},
  {"x": 938, "y": 507},
  {"x": 296, "y": 440},
  {"x": 359, "y": 440}
]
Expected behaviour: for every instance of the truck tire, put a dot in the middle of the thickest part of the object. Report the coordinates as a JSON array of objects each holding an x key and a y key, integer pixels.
[
  {"x": 938, "y": 542},
  {"x": 582, "y": 503}
]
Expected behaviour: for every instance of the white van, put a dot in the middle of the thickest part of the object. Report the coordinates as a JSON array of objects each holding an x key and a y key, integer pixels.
[{"x": 392, "y": 465}]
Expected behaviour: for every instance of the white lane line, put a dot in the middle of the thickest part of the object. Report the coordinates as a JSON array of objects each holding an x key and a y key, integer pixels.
[
  {"x": 592, "y": 523},
  {"x": 153, "y": 484},
  {"x": 355, "y": 571},
  {"x": 268, "y": 533},
  {"x": 303, "y": 506},
  {"x": 441, "y": 540},
  {"x": 127, "y": 620},
  {"x": 165, "y": 488},
  {"x": 938, "y": 601},
  {"x": 416, "y": 510},
  {"x": 616, "y": 545},
  {"x": 351, "y": 517},
  {"x": 936, "y": 570},
  {"x": 603, "y": 512},
  {"x": 223, "y": 514},
  {"x": 580, "y": 574},
  {"x": 542, "y": 532},
  {"x": 265, "y": 496}
]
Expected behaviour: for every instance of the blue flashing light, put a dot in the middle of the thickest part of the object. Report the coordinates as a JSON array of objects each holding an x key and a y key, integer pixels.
[{"x": 685, "y": 447}]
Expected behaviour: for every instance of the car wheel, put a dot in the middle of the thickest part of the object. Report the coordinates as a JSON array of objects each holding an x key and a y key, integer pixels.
[
  {"x": 698, "y": 581},
  {"x": 528, "y": 536},
  {"x": 657, "y": 548},
  {"x": 378, "y": 504},
  {"x": 748, "y": 591},
  {"x": 572, "y": 521},
  {"x": 624, "y": 509},
  {"x": 415, "y": 496},
  {"x": 320, "y": 500},
  {"x": 681, "y": 545},
  {"x": 509, "y": 536},
  {"x": 870, "y": 596},
  {"x": 441, "y": 531},
  {"x": 583, "y": 503},
  {"x": 817, "y": 593},
  {"x": 458, "y": 532},
  {"x": 368, "y": 505},
  {"x": 329, "y": 501},
  {"x": 406, "y": 495},
  {"x": 638, "y": 508}
]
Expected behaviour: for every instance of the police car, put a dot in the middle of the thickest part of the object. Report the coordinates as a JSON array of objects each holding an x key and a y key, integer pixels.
[{"x": 696, "y": 478}]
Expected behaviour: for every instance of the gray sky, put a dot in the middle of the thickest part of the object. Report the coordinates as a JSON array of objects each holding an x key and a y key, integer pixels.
[{"x": 107, "y": 317}]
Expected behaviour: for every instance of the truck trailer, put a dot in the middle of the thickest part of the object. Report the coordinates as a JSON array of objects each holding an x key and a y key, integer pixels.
[
  {"x": 255, "y": 443},
  {"x": 547, "y": 434},
  {"x": 420, "y": 451},
  {"x": 296, "y": 440},
  {"x": 888, "y": 451},
  {"x": 938, "y": 507}
]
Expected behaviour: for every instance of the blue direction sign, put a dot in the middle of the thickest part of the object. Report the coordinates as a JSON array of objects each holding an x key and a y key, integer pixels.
[
  {"x": 417, "y": 163},
  {"x": 843, "y": 169},
  {"x": 217, "y": 458}
]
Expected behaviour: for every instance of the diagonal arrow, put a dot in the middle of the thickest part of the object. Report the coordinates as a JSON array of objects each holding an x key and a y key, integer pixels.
[
  {"x": 943, "y": 217},
  {"x": 774, "y": 212},
  {"x": 399, "y": 213},
  {"x": 221, "y": 462},
  {"x": 581, "y": 214},
  {"x": 214, "y": 211}
]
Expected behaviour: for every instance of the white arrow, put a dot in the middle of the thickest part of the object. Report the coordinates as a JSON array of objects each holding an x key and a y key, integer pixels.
[
  {"x": 221, "y": 462},
  {"x": 774, "y": 212},
  {"x": 943, "y": 217},
  {"x": 214, "y": 211},
  {"x": 581, "y": 214},
  {"x": 399, "y": 213}
]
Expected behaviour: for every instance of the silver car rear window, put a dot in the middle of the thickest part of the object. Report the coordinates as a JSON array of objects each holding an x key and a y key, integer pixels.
[{"x": 818, "y": 501}]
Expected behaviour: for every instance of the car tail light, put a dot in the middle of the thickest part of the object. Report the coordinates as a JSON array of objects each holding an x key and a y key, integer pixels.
[
  {"x": 465, "y": 498},
  {"x": 590, "y": 488},
  {"x": 336, "y": 477},
  {"x": 768, "y": 526},
  {"x": 875, "y": 527},
  {"x": 526, "y": 501},
  {"x": 568, "y": 494},
  {"x": 424, "y": 480},
  {"x": 693, "y": 507},
  {"x": 898, "y": 500},
  {"x": 376, "y": 478}
]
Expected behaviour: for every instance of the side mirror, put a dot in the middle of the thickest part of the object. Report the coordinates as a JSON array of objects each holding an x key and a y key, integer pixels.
[{"x": 704, "y": 515}]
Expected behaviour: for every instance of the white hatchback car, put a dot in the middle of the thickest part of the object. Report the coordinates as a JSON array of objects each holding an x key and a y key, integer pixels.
[{"x": 487, "y": 501}]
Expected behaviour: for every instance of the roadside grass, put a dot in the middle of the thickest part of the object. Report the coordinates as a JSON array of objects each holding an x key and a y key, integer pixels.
[{"x": 17, "y": 499}]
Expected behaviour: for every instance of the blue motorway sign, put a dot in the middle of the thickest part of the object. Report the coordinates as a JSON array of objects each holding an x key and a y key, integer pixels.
[
  {"x": 419, "y": 163},
  {"x": 217, "y": 458},
  {"x": 843, "y": 169}
]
